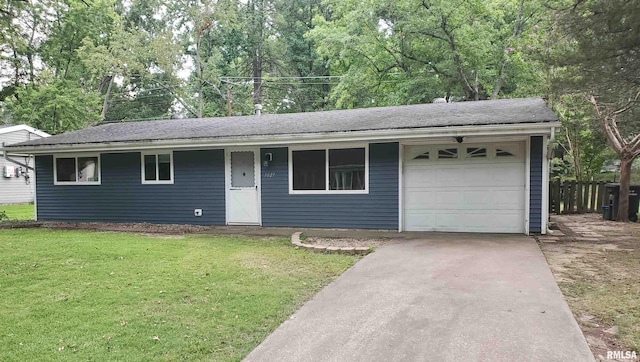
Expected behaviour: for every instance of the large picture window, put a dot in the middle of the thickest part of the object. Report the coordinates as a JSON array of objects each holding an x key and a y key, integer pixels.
[
  {"x": 331, "y": 170},
  {"x": 157, "y": 168},
  {"x": 77, "y": 170}
]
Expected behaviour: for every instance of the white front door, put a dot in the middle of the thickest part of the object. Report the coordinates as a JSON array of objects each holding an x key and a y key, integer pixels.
[{"x": 243, "y": 180}]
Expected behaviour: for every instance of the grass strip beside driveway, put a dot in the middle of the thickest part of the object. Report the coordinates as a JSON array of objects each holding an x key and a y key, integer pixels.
[{"x": 81, "y": 295}]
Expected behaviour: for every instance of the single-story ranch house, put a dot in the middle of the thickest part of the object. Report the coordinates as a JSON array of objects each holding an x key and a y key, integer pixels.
[{"x": 464, "y": 167}]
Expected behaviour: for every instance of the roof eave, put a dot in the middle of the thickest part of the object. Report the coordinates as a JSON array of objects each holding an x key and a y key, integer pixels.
[
  {"x": 538, "y": 128},
  {"x": 24, "y": 127}
]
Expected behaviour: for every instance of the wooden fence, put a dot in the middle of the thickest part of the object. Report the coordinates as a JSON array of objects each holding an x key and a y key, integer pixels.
[{"x": 573, "y": 197}]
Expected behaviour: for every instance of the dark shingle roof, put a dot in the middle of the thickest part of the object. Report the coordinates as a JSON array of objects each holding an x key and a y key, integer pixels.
[{"x": 506, "y": 111}]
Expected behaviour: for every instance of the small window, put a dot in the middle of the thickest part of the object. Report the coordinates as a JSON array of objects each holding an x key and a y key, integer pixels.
[
  {"x": 423, "y": 156},
  {"x": 157, "y": 168},
  {"x": 447, "y": 153},
  {"x": 503, "y": 153},
  {"x": 476, "y": 152},
  {"x": 77, "y": 170},
  {"x": 329, "y": 170}
]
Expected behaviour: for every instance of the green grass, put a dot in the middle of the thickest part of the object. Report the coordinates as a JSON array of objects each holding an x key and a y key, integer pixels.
[
  {"x": 78, "y": 295},
  {"x": 18, "y": 211}
]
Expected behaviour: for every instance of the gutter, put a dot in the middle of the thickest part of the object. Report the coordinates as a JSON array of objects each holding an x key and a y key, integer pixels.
[
  {"x": 290, "y": 139},
  {"x": 5, "y": 155}
]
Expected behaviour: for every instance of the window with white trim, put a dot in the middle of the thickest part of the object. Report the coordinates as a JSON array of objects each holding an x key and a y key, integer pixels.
[
  {"x": 332, "y": 170},
  {"x": 157, "y": 168},
  {"x": 77, "y": 170}
]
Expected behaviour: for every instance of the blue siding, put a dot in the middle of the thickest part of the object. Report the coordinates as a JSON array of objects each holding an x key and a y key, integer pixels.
[
  {"x": 535, "y": 184},
  {"x": 376, "y": 210},
  {"x": 121, "y": 197}
]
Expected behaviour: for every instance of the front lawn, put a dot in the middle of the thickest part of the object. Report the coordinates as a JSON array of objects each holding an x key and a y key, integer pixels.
[{"x": 78, "y": 295}]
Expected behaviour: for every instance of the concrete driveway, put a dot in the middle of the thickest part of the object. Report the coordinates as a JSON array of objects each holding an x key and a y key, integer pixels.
[{"x": 445, "y": 298}]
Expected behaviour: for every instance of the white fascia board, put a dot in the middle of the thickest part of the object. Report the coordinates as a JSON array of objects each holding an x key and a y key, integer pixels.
[
  {"x": 290, "y": 139},
  {"x": 24, "y": 127}
]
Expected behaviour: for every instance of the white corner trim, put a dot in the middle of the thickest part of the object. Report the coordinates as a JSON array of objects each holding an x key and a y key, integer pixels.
[{"x": 35, "y": 190}]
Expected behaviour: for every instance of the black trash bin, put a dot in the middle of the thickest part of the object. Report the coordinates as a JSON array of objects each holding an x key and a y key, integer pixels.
[
  {"x": 614, "y": 200},
  {"x": 634, "y": 201},
  {"x": 606, "y": 212}
]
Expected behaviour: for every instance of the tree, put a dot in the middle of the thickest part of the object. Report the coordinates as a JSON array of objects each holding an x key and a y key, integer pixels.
[
  {"x": 585, "y": 146},
  {"x": 410, "y": 52},
  {"x": 604, "y": 66},
  {"x": 626, "y": 146},
  {"x": 55, "y": 107}
]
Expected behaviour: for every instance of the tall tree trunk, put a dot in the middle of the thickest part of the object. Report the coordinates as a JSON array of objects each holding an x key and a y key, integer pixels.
[
  {"x": 627, "y": 150},
  {"x": 105, "y": 104},
  {"x": 625, "y": 177},
  {"x": 200, "y": 75}
]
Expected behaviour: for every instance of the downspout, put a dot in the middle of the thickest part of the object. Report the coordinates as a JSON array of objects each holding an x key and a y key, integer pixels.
[{"x": 5, "y": 155}]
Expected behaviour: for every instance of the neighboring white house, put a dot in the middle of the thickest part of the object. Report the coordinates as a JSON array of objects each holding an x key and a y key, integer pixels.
[{"x": 17, "y": 176}]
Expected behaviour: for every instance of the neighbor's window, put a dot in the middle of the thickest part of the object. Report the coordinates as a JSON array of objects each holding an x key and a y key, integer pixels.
[
  {"x": 157, "y": 168},
  {"x": 329, "y": 169},
  {"x": 78, "y": 170}
]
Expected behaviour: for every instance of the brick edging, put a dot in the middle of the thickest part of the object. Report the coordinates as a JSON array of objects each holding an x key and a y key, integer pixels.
[{"x": 361, "y": 250}]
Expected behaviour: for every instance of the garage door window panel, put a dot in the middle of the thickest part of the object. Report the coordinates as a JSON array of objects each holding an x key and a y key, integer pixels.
[
  {"x": 447, "y": 153},
  {"x": 476, "y": 152},
  {"x": 506, "y": 151},
  {"x": 422, "y": 156}
]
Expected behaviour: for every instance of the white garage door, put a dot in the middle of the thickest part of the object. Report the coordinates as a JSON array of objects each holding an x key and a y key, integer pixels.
[{"x": 465, "y": 188}]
